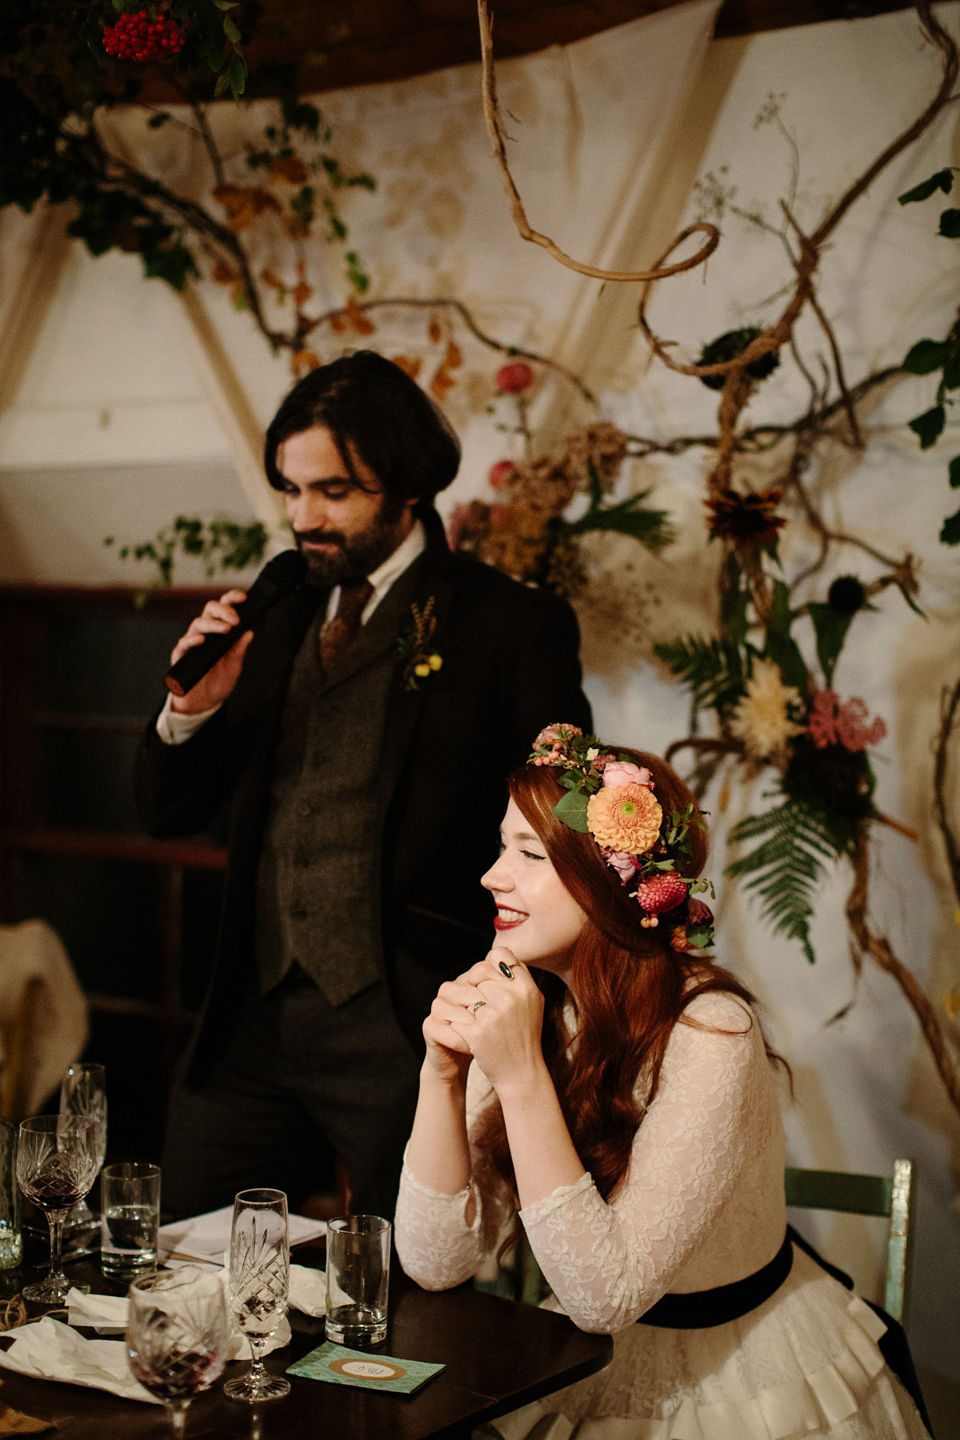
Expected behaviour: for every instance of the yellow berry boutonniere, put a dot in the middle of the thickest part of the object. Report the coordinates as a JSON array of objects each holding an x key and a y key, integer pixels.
[{"x": 414, "y": 646}]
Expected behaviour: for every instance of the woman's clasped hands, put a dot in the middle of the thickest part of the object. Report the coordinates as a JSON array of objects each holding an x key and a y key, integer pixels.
[{"x": 485, "y": 1016}]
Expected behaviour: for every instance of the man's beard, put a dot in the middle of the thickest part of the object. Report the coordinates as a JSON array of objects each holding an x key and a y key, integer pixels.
[{"x": 356, "y": 557}]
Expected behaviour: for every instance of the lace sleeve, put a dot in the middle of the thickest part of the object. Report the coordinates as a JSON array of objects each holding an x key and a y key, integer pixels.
[
  {"x": 608, "y": 1263},
  {"x": 437, "y": 1245}
]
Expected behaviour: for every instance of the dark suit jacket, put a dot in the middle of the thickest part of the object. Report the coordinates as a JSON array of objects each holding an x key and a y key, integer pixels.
[{"x": 510, "y": 666}]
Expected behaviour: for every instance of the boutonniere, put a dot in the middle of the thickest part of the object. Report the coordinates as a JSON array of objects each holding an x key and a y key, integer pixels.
[{"x": 414, "y": 645}]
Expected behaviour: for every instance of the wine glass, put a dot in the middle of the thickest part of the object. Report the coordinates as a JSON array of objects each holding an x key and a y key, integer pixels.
[
  {"x": 177, "y": 1336},
  {"x": 259, "y": 1286},
  {"x": 56, "y": 1165}
]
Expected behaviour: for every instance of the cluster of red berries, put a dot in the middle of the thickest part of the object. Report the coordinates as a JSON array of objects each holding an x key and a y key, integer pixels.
[{"x": 136, "y": 37}]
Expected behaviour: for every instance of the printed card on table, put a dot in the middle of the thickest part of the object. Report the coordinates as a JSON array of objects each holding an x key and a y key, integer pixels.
[{"x": 339, "y": 1366}]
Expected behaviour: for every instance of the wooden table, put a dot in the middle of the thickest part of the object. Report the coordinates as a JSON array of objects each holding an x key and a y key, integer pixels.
[{"x": 499, "y": 1355}]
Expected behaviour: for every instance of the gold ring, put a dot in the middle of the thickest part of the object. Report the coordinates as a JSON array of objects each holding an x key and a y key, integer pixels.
[{"x": 476, "y": 1007}]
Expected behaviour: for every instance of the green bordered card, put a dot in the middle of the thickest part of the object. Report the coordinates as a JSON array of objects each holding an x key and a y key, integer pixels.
[{"x": 339, "y": 1366}]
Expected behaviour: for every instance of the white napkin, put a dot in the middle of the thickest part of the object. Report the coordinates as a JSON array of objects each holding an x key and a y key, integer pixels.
[
  {"x": 308, "y": 1290},
  {"x": 207, "y": 1237},
  {"x": 50, "y": 1350},
  {"x": 108, "y": 1314}
]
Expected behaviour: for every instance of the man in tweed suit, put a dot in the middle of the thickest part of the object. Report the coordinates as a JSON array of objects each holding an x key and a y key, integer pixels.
[{"x": 362, "y": 798}]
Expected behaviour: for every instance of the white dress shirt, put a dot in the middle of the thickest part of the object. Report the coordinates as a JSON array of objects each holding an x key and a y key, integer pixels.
[{"x": 174, "y": 728}]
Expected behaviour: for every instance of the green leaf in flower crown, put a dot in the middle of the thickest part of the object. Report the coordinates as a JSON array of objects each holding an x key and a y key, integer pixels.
[
  {"x": 830, "y": 627},
  {"x": 572, "y": 810},
  {"x": 943, "y": 180},
  {"x": 700, "y": 936},
  {"x": 926, "y": 356},
  {"x": 929, "y": 426},
  {"x": 950, "y": 534}
]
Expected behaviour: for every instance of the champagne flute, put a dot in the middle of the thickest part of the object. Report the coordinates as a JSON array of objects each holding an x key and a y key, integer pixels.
[
  {"x": 177, "y": 1336},
  {"x": 56, "y": 1165},
  {"x": 83, "y": 1091},
  {"x": 259, "y": 1286}
]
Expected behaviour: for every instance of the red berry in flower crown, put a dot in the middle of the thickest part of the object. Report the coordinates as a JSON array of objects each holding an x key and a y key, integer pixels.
[{"x": 662, "y": 892}]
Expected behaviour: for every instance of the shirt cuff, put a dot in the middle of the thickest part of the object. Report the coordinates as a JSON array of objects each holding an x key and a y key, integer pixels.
[{"x": 175, "y": 729}]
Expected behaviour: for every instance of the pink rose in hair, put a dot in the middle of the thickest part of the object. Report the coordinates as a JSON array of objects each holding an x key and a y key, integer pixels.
[
  {"x": 556, "y": 734},
  {"x": 625, "y": 865},
  {"x": 624, "y": 772}
]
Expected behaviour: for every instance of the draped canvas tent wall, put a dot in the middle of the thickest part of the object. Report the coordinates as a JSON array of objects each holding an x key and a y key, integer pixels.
[{"x": 611, "y": 134}]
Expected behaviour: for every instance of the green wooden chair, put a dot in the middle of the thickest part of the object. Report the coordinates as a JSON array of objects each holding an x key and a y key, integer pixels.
[{"x": 891, "y": 1196}]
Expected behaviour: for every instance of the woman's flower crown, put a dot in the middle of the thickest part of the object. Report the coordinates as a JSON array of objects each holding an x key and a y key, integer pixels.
[{"x": 612, "y": 798}]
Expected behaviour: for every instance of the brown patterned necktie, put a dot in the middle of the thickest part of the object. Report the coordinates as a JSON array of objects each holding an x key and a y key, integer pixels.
[{"x": 341, "y": 629}]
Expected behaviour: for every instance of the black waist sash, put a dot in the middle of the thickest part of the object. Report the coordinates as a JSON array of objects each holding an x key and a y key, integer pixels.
[{"x": 702, "y": 1309}]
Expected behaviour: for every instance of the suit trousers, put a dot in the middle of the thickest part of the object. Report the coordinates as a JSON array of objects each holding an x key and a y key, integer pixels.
[{"x": 298, "y": 1075}]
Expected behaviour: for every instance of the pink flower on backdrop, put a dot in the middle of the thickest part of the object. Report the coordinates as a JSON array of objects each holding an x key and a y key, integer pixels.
[
  {"x": 823, "y": 725},
  {"x": 515, "y": 378},
  {"x": 834, "y": 724},
  {"x": 625, "y": 865},
  {"x": 851, "y": 730},
  {"x": 500, "y": 473},
  {"x": 624, "y": 772}
]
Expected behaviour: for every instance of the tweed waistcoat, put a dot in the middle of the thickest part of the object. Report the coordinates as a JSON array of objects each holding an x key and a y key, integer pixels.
[{"x": 318, "y": 882}]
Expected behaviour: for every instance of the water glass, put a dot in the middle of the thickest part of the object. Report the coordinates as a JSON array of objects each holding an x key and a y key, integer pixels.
[
  {"x": 358, "y": 1274},
  {"x": 177, "y": 1336},
  {"x": 11, "y": 1239},
  {"x": 129, "y": 1219}
]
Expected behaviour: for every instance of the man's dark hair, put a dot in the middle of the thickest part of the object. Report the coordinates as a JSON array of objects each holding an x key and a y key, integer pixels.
[{"x": 369, "y": 402}]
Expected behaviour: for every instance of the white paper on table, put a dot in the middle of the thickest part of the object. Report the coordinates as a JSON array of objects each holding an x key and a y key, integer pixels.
[
  {"x": 207, "y": 1237},
  {"x": 50, "y": 1350}
]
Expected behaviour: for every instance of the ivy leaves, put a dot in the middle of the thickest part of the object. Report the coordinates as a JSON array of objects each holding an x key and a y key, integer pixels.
[{"x": 927, "y": 357}]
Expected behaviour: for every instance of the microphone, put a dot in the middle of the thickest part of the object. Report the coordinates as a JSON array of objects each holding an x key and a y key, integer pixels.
[{"x": 277, "y": 578}]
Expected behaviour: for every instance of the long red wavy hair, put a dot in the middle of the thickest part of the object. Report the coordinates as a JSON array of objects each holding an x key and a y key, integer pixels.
[{"x": 631, "y": 987}]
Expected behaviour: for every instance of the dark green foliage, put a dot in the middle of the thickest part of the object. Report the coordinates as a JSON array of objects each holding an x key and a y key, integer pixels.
[
  {"x": 950, "y": 224},
  {"x": 953, "y": 471},
  {"x": 711, "y": 669},
  {"x": 833, "y": 783},
  {"x": 950, "y": 533},
  {"x": 929, "y": 426},
  {"x": 927, "y": 356},
  {"x": 943, "y": 180},
  {"x": 787, "y": 866},
  {"x": 727, "y": 347},
  {"x": 628, "y": 517},
  {"x": 221, "y": 544},
  {"x": 830, "y": 627},
  {"x": 780, "y": 646}
]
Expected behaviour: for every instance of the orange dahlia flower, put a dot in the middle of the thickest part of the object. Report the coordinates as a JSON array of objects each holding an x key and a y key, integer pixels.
[{"x": 625, "y": 817}]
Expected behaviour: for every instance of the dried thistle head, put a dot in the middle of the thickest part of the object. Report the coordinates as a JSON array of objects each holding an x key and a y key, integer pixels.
[{"x": 600, "y": 446}]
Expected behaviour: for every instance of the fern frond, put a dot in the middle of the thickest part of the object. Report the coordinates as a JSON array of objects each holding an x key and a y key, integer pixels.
[
  {"x": 787, "y": 866},
  {"x": 712, "y": 669}
]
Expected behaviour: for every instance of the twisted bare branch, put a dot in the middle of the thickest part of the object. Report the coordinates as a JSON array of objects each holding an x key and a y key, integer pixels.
[
  {"x": 880, "y": 949},
  {"x": 491, "y": 114},
  {"x": 949, "y": 718}
]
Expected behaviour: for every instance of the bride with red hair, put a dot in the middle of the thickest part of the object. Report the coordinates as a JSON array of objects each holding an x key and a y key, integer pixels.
[{"x": 598, "y": 1079}]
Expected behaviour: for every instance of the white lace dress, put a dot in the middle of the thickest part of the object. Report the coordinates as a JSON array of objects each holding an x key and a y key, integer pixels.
[{"x": 702, "y": 1205}]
